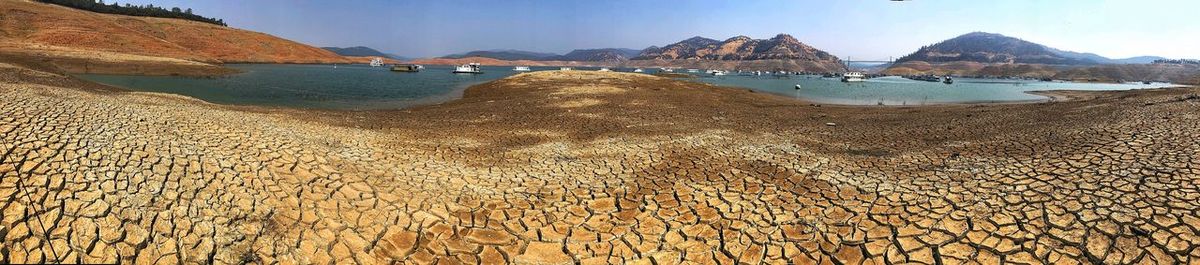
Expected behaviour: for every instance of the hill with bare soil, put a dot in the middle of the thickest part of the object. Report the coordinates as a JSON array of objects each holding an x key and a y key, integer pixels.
[
  {"x": 26, "y": 23},
  {"x": 1174, "y": 73}
]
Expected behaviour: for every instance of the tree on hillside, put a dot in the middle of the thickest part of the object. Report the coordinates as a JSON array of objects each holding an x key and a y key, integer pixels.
[{"x": 149, "y": 10}]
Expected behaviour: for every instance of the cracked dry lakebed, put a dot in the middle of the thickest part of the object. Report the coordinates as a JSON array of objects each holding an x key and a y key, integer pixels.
[{"x": 574, "y": 167}]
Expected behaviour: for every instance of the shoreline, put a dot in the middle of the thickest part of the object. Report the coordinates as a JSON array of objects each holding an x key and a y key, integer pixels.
[{"x": 1051, "y": 96}]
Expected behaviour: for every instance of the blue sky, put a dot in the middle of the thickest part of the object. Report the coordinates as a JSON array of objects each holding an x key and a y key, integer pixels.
[{"x": 859, "y": 29}]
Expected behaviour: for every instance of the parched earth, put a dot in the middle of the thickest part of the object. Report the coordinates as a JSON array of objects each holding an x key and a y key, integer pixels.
[{"x": 586, "y": 167}]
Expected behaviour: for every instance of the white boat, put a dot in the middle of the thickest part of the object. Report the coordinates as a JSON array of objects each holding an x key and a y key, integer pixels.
[
  {"x": 564, "y": 69},
  {"x": 854, "y": 77},
  {"x": 638, "y": 70},
  {"x": 604, "y": 69},
  {"x": 521, "y": 69},
  {"x": 717, "y": 73},
  {"x": 667, "y": 70},
  {"x": 376, "y": 62},
  {"x": 471, "y": 68},
  {"x": 693, "y": 70}
]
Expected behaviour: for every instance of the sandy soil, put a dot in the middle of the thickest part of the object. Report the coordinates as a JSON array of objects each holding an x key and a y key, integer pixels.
[{"x": 563, "y": 167}]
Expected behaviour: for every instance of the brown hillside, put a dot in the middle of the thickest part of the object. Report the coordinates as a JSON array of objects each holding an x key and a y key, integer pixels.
[
  {"x": 920, "y": 67},
  {"x": 26, "y": 22},
  {"x": 1174, "y": 73}
]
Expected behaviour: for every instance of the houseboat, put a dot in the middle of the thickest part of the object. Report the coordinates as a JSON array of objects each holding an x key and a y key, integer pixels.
[
  {"x": 376, "y": 62},
  {"x": 407, "y": 68},
  {"x": 521, "y": 69},
  {"x": 853, "y": 77},
  {"x": 638, "y": 70},
  {"x": 471, "y": 68}
]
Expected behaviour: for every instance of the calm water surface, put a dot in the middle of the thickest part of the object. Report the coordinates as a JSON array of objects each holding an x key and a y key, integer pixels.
[
  {"x": 893, "y": 90},
  {"x": 364, "y": 87},
  {"x": 316, "y": 86}
]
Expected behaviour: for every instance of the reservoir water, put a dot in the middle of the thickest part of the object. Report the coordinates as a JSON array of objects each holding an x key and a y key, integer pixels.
[
  {"x": 363, "y": 87},
  {"x": 894, "y": 90},
  {"x": 316, "y": 86}
]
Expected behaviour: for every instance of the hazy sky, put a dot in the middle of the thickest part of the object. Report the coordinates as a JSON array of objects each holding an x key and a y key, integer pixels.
[{"x": 859, "y": 29}]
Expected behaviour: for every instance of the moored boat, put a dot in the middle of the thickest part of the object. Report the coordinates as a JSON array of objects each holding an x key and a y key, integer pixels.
[
  {"x": 408, "y": 68},
  {"x": 471, "y": 68},
  {"x": 853, "y": 77},
  {"x": 564, "y": 68},
  {"x": 521, "y": 69},
  {"x": 948, "y": 80},
  {"x": 926, "y": 78},
  {"x": 376, "y": 62},
  {"x": 638, "y": 70},
  {"x": 604, "y": 69}
]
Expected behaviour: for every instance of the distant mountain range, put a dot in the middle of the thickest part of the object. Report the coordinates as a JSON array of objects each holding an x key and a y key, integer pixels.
[
  {"x": 506, "y": 55},
  {"x": 583, "y": 55},
  {"x": 600, "y": 55},
  {"x": 985, "y": 47},
  {"x": 360, "y": 51},
  {"x": 782, "y": 52}
]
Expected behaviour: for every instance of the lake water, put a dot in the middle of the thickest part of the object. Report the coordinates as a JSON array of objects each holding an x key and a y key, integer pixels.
[
  {"x": 364, "y": 87},
  {"x": 316, "y": 86},
  {"x": 893, "y": 90}
]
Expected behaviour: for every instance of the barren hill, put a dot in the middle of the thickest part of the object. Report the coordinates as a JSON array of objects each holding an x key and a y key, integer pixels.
[
  {"x": 991, "y": 48},
  {"x": 741, "y": 52},
  {"x": 26, "y": 23}
]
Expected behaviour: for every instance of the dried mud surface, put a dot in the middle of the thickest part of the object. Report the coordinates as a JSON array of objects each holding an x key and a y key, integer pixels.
[{"x": 571, "y": 167}]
